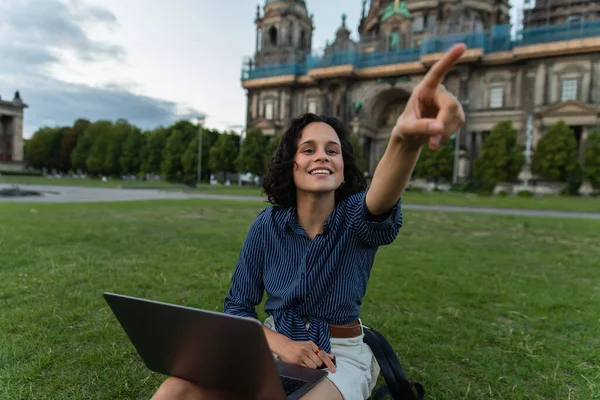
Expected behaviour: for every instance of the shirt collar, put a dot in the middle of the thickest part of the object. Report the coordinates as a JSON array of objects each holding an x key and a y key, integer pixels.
[{"x": 291, "y": 220}]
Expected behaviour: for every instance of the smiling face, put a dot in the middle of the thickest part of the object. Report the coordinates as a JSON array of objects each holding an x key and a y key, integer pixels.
[{"x": 319, "y": 163}]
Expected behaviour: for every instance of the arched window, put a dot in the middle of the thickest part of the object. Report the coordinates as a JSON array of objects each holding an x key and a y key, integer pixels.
[
  {"x": 291, "y": 34},
  {"x": 273, "y": 36},
  {"x": 303, "y": 40}
]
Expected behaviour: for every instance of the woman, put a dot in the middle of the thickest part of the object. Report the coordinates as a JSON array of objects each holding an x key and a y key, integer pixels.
[{"x": 312, "y": 251}]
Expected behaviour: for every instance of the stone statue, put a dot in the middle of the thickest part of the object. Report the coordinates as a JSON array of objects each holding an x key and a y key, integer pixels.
[{"x": 357, "y": 107}]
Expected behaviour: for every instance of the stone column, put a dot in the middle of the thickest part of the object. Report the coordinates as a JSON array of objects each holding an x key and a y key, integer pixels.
[
  {"x": 549, "y": 88},
  {"x": 325, "y": 95},
  {"x": 540, "y": 85},
  {"x": 282, "y": 105},
  {"x": 290, "y": 106},
  {"x": 518, "y": 87},
  {"x": 595, "y": 82},
  {"x": 463, "y": 166},
  {"x": 344, "y": 103},
  {"x": 17, "y": 144},
  {"x": 250, "y": 108},
  {"x": 463, "y": 96}
]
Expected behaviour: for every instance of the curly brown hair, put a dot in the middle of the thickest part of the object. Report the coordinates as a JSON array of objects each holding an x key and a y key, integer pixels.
[{"x": 278, "y": 183}]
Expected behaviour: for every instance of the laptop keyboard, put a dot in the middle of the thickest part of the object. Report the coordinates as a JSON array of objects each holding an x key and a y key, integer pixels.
[{"x": 290, "y": 385}]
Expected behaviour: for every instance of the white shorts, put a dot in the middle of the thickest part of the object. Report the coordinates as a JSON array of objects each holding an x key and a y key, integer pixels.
[{"x": 357, "y": 368}]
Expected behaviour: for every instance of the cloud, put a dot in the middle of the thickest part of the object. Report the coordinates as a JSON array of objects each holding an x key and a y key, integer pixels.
[{"x": 34, "y": 37}]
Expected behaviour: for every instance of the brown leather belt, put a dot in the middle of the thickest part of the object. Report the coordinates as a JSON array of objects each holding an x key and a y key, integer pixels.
[{"x": 346, "y": 331}]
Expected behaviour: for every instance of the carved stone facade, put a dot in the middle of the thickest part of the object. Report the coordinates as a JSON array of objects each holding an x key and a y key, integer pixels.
[
  {"x": 283, "y": 33},
  {"x": 11, "y": 131},
  {"x": 547, "y": 82}
]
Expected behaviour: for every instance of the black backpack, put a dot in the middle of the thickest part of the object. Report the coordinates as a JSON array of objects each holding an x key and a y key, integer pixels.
[{"x": 397, "y": 384}]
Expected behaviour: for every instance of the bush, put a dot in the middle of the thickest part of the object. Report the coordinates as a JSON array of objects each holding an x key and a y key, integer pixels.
[
  {"x": 525, "y": 193},
  {"x": 21, "y": 173},
  {"x": 502, "y": 193},
  {"x": 436, "y": 166},
  {"x": 467, "y": 187},
  {"x": 592, "y": 159},
  {"x": 501, "y": 158},
  {"x": 555, "y": 157},
  {"x": 574, "y": 182}
]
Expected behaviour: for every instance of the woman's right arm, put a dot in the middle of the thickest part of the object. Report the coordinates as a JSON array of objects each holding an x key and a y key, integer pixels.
[
  {"x": 247, "y": 286},
  {"x": 277, "y": 341}
]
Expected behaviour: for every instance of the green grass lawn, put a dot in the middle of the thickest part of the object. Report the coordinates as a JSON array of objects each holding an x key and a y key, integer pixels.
[
  {"x": 557, "y": 203},
  {"x": 477, "y": 307}
]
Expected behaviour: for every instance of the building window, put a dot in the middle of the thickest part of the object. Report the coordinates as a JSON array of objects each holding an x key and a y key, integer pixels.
[
  {"x": 496, "y": 97},
  {"x": 302, "y": 40},
  {"x": 418, "y": 24},
  {"x": 273, "y": 36},
  {"x": 312, "y": 106},
  {"x": 291, "y": 34},
  {"x": 431, "y": 23},
  {"x": 269, "y": 111},
  {"x": 569, "y": 90}
]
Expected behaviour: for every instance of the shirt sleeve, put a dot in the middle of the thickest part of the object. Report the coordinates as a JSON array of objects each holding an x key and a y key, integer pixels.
[
  {"x": 247, "y": 285},
  {"x": 373, "y": 231}
]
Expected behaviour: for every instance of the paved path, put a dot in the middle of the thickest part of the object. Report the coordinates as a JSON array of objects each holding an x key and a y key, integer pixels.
[{"x": 69, "y": 194}]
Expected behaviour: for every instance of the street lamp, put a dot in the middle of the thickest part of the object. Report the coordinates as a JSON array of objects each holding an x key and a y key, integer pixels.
[{"x": 200, "y": 123}]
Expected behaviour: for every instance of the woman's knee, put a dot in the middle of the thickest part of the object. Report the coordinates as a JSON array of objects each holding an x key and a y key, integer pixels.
[
  {"x": 324, "y": 390},
  {"x": 175, "y": 388}
]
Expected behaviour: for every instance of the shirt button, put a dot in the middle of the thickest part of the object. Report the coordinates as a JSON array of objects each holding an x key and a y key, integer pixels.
[{"x": 302, "y": 275}]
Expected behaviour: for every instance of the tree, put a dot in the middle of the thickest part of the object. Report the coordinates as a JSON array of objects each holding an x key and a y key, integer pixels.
[
  {"x": 80, "y": 126},
  {"x": 152, "y": 153},
  {"x": 501, "y": 158},
  {"x": 271, "y": 148},
  {"x": 592, "y": 159},
  {"x": 67, "y": 145},
  {"x": 130, "y": 158},
  {"x": 436, "y": 165},
  {"x": 189, "y": 161},
  {"x": 116, "y": 140},
  {"x": 555, "y": 157},
  {"x": 224, "y": 154},
  {"x": 209, "y": 140},
  {"x": 188, "y": 130},
  {"x": 35, "y": 149},
  {"x": 361, "y": 160},
  {"x": 171, "y": 167},
  {"x": 83, "y": 148},
  {"x": 252, "y": 153},
  {"x": 97, "y": 156}
]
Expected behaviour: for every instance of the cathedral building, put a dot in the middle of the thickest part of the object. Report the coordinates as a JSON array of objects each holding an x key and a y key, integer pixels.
[
  {"x": 544, "y": 69},
  {"x": 11, "y": 133}
]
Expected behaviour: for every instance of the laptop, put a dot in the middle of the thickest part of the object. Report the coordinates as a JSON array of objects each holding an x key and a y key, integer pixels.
[{"x": 210, "y": 349}]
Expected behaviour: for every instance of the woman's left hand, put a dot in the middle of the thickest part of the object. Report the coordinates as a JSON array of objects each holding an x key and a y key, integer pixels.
[{"x": 432, "y": 114}]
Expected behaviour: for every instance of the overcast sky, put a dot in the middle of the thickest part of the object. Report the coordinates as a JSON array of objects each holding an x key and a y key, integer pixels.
[{"x": 150, "y": 61}]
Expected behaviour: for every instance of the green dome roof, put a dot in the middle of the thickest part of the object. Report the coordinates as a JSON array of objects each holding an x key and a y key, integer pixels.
[{"x": 396, "y": 8}]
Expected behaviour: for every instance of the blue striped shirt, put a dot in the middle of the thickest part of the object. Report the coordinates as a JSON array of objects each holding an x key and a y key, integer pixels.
[{"x": 323, "y": 280}]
